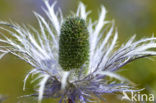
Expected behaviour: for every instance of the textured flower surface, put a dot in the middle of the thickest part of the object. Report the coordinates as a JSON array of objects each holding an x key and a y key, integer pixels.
[{"x": 74, "y": 58}]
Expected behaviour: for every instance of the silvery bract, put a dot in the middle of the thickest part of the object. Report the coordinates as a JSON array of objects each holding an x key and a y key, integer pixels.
[{"x": 94, "y": 75}]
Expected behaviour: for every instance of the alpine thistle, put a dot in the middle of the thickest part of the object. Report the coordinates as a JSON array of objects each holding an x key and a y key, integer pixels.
[{"x": 65, "y": 48}]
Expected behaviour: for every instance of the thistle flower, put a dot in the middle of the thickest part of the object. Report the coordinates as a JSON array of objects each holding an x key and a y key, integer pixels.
[{"x": 71, "y": 57}]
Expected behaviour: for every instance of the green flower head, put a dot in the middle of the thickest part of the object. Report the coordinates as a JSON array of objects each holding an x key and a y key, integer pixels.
[
  {"x": 74, "y": 59},
  {"x": 73, "y": 44}
]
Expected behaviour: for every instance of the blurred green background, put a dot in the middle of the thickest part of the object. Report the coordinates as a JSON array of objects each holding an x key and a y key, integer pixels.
[{"x": 131, "y": 17}]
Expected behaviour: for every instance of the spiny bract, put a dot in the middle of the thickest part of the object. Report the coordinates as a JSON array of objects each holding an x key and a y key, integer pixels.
[
  {"x": 62, "y": 46},
  {"x": 73, "y": 44}
]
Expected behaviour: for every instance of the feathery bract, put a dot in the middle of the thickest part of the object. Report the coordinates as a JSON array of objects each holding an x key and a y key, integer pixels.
[{"x": 60, "y": 61}]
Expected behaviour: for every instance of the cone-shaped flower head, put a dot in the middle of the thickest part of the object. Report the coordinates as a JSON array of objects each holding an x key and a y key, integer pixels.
[
  {"x": 63, "y": 47},
  {"x": 73, "y": 44}
]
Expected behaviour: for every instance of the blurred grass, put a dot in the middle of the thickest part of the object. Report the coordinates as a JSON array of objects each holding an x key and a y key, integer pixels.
[{"x": 131, "y": 17}]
